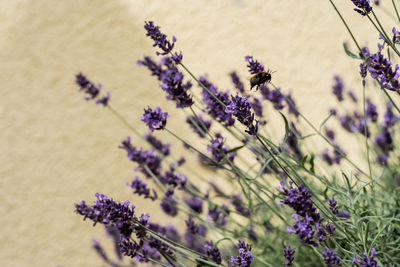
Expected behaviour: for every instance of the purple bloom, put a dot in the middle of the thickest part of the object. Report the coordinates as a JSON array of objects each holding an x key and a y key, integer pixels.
[
  {"x": 256, "y": 105},
  {"x": 396, "y": 36},
  {"x": 237, "y": 82},
  {"x": 104, "y": 100},
  {"x": 292, "y": 141},
  {"x": 217, "y": 215},
  {"x": 109, "y": 212},
  {"x": 303, "y": 229},
  {"x": 213, "y": 252},
  {"x": 169, "y": 205},
  {"x": 352, "y": 96},
  {"x": 253, "y": 65},
  {"x": 331, "y": 259},
  {"x": 239, "y": 206},
  {"x": 370, "y": 111},
  {"x": 173, "y": 178},
  {"x": 142, "y": 157},
  {"x": 192, "y": 226},
  {"x": 344, "y": 214},
  {"x": 381, "y": 70},
  {"x": 99, "y": 249},
  {"x": 241, "y": 109},
  {"x": 363, "y": 6},
  {"x": 195, "y": 203},
  {"x": 390, "y": 118},
  {"x": 129, "y": 248},
  {"x": 292, "y": 105},
  {"x": 245, "y": 256},
  {"x": 366, "y": 261},
  {"x": 219, "y": 152},
  {"x": 199, "y": 125},
  {"x": 330, "y": 134},
  {"x": 289, "y": 256},
  {"x": 113, "y": 232},
  {"x": 139, "y": 187},
  {"x": 276, "y": 97},
  {"x": 333, "y": 206},
  {"x": 91, "y": 90},
  {"x": 171, "y": 80},
  {"x": 160, "y": 39},
  {"x": 363, "y": 71},
  {"x": 155, "y": 120},
  {"x": 338, "y": 87},
  {"x": 213, "y": 107},
  {"x": 157, "y": 144}
]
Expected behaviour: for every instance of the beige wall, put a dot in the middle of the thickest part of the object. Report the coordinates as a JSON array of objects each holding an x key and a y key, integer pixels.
[{"x": 57, "y": 149}]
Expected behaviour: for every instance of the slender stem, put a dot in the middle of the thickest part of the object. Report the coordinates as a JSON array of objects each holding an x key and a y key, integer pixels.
[
  {"x": 395, "y": 9},
  {"x": 366, "y": 132}
]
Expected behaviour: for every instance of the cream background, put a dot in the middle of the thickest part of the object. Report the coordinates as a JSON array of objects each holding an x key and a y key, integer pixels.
[{"x": 57, "y": 149}]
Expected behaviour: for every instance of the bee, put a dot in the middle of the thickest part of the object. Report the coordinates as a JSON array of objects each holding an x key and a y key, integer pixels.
[{"x": 260, "y": 78}]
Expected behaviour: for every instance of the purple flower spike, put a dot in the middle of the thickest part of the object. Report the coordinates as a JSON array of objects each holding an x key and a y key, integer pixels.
[
  {"x": 331, "y": 259},
  {"x": 213, "y": 253},
  {"x": 338, "y": 87},
  {"x": 240, "y": 107},
  {"x": 104, "y": 100},
  {"x": 160, "y": 39},
  {"x": 254, "y": 66},
  {"x": 245, "y": 256},
  {"x": 333, "y": 206},
  {"x": 155, "y": 120},
  {"x": 237, "y": 82},
  {"x": 366, "y": 261},
  {"x": 363, "y": 6},
  {"x": 289, "y": 256}
]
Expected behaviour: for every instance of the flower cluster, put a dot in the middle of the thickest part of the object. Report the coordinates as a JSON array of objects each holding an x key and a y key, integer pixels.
[
  {"x": 220, "y": 152},
  {"x": 159, "y": 38},
  {"x": 331, "y": 259},
  {"x": 155, "y": 119},
  {"x": 366, "y": 261},
  {"x": 289, "y": 256},
  {"x": 213, "y": 107},
  {"x": 199, "y": 125},
  {"x": 308, "y": 220},
  {"x": 171, "y": 80},
  {"x": 253, "y": 65},
  {"x": 245, "y": 256},
  {"x": 363, "y": 6},
  {"x": 91, "y": 90},
  {"x": 241, "y": 109}
]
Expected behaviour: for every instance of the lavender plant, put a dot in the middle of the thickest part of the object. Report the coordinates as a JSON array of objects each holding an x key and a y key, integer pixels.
[{"x": 282, "y": 205}]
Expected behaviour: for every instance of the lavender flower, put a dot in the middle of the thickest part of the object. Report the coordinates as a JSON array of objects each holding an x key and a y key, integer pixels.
[
  {"x": 363, "y": 6},
  {"x": 241, "y": 109},
  {"x": 366, "y": 261},
  {"x": 253, "y": 65},
  {"x": 217, "y": 215},
  {"x": 195, "y": 203},
  {"x": 371, "y": 112},
  {"x": 338, "y": 87},
  {"x": 303, "y": 229},
  {"x": 91, "y": 90},
  {"x": 171, "y": 80},
  {"x": 292, "y": 105},
  {"x": 396, "y": 36},
  {"x": 363, "y": 71},
  {"x": 219, "y": 152},
  {"x": 381, "y": 70},
  {"x": 109, "y": 212},
  {"x": 173, "y": 178},
  {"x": 113, "y": 232},
  {"x": 139, "y": 187},
  {"x": 213, "y": 252},
  {"x": 275, "y": 96},
  {"x": 352, "y": 96},
  {"x": 99, "y": 249},
  {"x": 390, "y": 118},
  {"x": 331, "y": 259},
  {"x": 213, "y": 107},
  {"x": 157, "y": 144},
  {"x": 142, "y": 157},
  {"x": 199, "y": 125},
  {"x": 237, "y": 82},
  {"x": 289, "y": 256},
  {"x": 168, "y": 204},
  {"x": 155, "y": 120},
  {"x": 333, "y": 206},
  {"x": 239, "y": 206},
  {"x": 245, "y": 256},
  {"x": 160, "y": 39}
]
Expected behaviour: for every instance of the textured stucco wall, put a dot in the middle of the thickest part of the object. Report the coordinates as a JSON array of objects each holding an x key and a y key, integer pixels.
[{"x": 57, "y": 149}]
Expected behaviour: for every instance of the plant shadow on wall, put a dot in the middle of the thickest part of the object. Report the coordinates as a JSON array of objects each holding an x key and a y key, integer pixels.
[{"x": 293, "y": 208}]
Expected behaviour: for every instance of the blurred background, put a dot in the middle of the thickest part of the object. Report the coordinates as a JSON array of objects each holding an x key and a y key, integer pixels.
[{"x": 58, "y": 149}]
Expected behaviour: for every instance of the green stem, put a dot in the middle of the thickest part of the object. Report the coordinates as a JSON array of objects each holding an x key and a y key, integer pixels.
[
  {"x": 365, "y": 132},
  {"x": 395, "y": 9}
]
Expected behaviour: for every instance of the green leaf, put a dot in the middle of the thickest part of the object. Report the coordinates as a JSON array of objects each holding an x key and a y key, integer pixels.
[
  {"x": 235, "y": 149},
  {"x": 312, "y": 163},
  {"x": 349, "y": 53},
  {"x": 286, "y": 130},
  {"x": 303, "y": 161}
]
